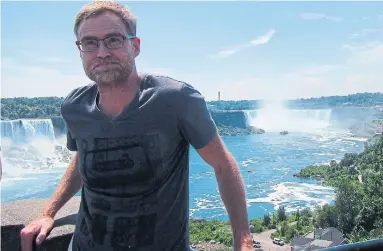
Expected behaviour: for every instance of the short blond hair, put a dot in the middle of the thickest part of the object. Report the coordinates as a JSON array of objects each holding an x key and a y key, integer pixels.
[{"x": 101, "y": 6}]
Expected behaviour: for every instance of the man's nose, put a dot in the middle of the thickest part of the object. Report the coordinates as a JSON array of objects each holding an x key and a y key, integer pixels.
[{"x": 102, "y": 51}]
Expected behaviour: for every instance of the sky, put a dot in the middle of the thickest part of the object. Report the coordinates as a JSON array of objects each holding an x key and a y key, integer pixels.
[{"x": 245, "y": 50}]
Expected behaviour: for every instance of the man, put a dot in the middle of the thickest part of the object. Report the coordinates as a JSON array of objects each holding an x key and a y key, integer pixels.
[{"x": 131, "y": 133}]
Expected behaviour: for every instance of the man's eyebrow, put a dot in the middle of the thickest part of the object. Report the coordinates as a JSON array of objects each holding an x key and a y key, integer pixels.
[{"x": 107, "y": 35}]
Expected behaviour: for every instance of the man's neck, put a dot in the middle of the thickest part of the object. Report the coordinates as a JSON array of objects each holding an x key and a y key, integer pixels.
[{"x": 113, "y": 98}]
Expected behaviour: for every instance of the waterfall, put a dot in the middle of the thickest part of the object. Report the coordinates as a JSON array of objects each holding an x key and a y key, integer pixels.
[
  {"x": 24, "y": 130},
  {"x": 279, "y": 118}
]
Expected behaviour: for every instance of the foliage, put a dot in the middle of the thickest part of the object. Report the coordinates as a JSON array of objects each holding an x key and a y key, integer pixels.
[
  {"x": 235, "y": 104},
  {"x": 326, "y": 216},
  {"x": 358, "y": 179},
  {"x": 282, "y": 214},
  {"x": 43, "y": 107},
  {"x": 348, "y": 197},
  {"x": 359, "y": 99},
  {"x": 296, "y": 224},
  {"x": 210, "y": 230},
  {"x": 358, "y": 207},
  {"x": 266, "y": 219}
]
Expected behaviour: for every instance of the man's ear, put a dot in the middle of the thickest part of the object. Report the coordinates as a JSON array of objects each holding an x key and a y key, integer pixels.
[{"x": 136, "y": 46}]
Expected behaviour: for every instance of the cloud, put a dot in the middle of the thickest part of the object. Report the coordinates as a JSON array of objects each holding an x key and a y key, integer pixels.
[
  {"x": 264, "y": 39},
  {"x": 361, "y": 71},
  {"x": 364, "y": 32},
  {"x": 313, "y": 16},
  {"x": 368, "y": 55},
  {"x": 19, "y": 79}
]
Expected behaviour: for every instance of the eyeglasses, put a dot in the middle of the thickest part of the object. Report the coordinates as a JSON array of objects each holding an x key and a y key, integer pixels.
[{"x": 111, "y": 42}]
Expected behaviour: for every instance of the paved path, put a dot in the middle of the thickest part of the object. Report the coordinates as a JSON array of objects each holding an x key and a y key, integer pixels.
[{"x": 267, "y": 243}]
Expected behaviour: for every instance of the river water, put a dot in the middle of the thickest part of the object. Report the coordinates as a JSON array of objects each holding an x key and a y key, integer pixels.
[{"x": 267, "y": 163}]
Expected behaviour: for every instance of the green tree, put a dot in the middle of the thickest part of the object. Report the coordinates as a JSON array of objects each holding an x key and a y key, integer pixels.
[
  {"x": 266, "y": 219},
  {"x": 327, "y": 216},
  {"x": 348, "y": 202},
  {"x": 281, "y": 214}
]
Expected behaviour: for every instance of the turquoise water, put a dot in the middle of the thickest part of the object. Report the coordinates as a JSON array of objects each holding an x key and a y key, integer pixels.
[{"x": 267, "y": 163}]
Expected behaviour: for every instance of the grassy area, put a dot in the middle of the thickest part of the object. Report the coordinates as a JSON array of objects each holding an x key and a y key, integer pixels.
[{"x": 219, "y": 231}]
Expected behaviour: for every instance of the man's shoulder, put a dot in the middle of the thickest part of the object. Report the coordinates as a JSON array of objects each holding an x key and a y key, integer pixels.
[
  {"x": 166, "y": 85},
  {"x": 79, "y": 96}
]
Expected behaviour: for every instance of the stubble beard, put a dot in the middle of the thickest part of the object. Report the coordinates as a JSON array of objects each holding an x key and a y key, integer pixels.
[{"x": 113, "y": 74}]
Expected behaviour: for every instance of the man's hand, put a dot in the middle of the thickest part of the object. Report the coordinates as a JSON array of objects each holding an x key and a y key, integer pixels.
[
  {"x": 69, "y": 185},
  {"x": 243, "y": 242},
  {"x": 40, "y": 227}
]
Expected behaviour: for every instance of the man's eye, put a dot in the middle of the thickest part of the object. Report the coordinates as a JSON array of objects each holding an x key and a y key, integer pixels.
[{"x": 89, "y": 42}]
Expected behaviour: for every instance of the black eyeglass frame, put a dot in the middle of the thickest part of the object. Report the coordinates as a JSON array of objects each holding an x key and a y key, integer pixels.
[{"x": 79, "y": 42}]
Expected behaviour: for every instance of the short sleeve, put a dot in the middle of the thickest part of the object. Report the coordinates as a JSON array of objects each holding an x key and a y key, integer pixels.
[
  {"x": 196, "y": 123},
  {"x": 70, "y": 142}
]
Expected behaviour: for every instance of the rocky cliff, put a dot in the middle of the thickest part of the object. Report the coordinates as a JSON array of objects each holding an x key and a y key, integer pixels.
[{"x": 229, "y": 118}]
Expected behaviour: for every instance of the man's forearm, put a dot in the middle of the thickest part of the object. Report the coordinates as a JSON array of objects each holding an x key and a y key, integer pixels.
[
  {"x": 232, "y": 191},
  {"x": 69, "y": 185}
]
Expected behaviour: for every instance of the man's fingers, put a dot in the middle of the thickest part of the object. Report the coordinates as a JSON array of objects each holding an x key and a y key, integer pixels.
[
  {"x": 27, "y": 235},
  {"x": 42, "y": 235}
]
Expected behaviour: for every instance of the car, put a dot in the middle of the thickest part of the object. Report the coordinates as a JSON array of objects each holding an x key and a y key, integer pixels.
[
  {"x": 278, "y": 241},
  {"x": 256, "y": 242},
  {"x": 256, "y": 245}
]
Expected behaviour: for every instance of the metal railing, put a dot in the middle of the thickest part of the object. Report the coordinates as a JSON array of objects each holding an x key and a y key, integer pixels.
[{"x": 371, "y": 245}]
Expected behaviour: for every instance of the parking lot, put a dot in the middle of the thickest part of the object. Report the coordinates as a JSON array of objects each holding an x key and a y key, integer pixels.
[{"x": 267, "y": 243}]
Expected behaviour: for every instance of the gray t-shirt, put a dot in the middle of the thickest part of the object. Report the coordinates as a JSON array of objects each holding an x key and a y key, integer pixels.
[{"x": 135, "y": 168}]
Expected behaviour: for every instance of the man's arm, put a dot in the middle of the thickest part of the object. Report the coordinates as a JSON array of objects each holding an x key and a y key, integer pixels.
[
  {"x": 231, "y": 188},
  {"x": 198, "y": 128},
  {"x": 69, "y": 185}
]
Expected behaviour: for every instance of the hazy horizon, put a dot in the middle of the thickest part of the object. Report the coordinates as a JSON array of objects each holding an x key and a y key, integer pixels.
[{"x": 265, "y": 99}]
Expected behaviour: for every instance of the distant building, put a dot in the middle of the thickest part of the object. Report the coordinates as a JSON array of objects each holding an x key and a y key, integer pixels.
[{"x": 318, "y": 239}]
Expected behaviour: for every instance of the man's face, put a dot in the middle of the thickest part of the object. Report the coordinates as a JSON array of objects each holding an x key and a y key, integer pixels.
[{"x": 102, "y": 64}]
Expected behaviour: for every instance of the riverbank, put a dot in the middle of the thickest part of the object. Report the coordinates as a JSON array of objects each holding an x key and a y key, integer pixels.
[{"x": 351, "y": 167}]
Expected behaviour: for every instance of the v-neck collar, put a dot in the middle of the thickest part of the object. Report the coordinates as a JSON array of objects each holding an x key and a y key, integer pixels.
[{"x": 128, "y": 109}]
